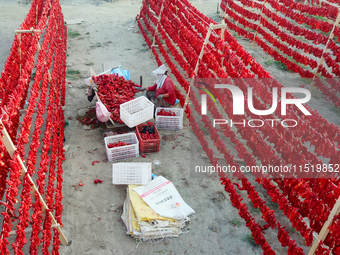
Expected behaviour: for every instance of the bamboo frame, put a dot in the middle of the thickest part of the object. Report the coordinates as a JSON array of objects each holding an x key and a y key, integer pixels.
[
  {"x": 206, "y": 40},
  {"x": 324, "y": 231},
  {"x": 156, "y": 31},
  {"x": 18, "y": 32},
  {"x": 7, "y": 141},
  {"x": 325, "y": 50}
]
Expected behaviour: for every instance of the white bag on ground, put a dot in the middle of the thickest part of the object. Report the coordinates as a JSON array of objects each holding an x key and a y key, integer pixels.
[
  {"x": 162, "y": 196},
  {"x": 102, "y": 113}
]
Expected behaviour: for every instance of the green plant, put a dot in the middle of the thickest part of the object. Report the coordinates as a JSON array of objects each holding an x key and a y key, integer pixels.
[
  {"x": 87, "y": 33},
  {"x": 235, "y": 222},
  {"x": 269, "y": 62},
  {"x": 255, "y": 210},
  {"x": 89, "y": 64},
  {"x": 97, "y": 45},
  {"x": 280, "y": 66},
  {"x": 335, "y": 109},
  {"x": 109, "y": 42},
  {"x": 72, "y": 74},
  {"x": 272, "y": 204},
  {"x": 292, "y": 231},
  {"x": 250, "y": 239},
  {"x": 73, "y": 34}
]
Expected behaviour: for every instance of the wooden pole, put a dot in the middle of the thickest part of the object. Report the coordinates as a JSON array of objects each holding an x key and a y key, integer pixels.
[
  {"x": 156, "y": 31},
  {"x": 29, "y": 230},
  {"x": 27, "y": 31},
  {"x": 222, "y": 37},
  {"x": 19, "y": 49},
  {"x": 324, "y": 231},
  {"x": 325, "y": 51},
  {"x": 18, "y": 33},
  {"x": 178, "y": 31},
  {"x": 36, "y": 15},
  {"x": 93, "y": 73},
  {"x": 206, "y": 40},
  {"x": 7, "y": 141}
]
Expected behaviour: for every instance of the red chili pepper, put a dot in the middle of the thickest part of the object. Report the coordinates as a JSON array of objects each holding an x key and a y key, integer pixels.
[
  {"x": 162, "y": 112},
  {"x": 144, "y": 156},
  {"x": 117, "y": 144},
  {"x": 97, "y": 181},
  {"x": 93, "y": 162},
  {"x": 81, "y": 184}
]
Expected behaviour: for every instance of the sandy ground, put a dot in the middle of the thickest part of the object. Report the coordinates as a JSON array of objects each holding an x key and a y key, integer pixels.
[{"x": 92, "y": 212}]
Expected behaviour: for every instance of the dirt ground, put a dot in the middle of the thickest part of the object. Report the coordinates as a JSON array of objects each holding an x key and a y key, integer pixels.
[{"x": 91, "y": 215}]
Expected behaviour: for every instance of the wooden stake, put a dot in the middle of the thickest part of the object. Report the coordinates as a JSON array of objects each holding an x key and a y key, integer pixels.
[
  {"x": 93, "y": 73},
  {"x": 141, "y": 80},
  {"x": 7, "y": 141},
  {"x": 206, "y": 40},
  {"x": 27, "y": 31},
  {"x": 29, "y": 230},
  {"x": 19, "y": 49},
  {"x": 156, "y": 31},
  {"x": 324, "y": 231},
  {"x": 36, "y": 15},
  {"x": 325, "y": 51},
  {"x": 222, "y": 37},
  {"x": 19, "y": 32}
]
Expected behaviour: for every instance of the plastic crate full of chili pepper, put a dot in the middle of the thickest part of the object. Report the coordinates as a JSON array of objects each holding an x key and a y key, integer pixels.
[
  {"x": 169, "y": 118},
  {"x": 148, "y": 137},
  {"x": 121, "y": 147}
]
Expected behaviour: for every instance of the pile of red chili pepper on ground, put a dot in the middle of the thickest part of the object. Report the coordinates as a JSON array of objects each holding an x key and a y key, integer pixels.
[
  {"x": 117, "y": 144},
  {"x": 113, "y": 91},
  {"x": 90, "y": 118},
  {"x": 166, "y": 113}
]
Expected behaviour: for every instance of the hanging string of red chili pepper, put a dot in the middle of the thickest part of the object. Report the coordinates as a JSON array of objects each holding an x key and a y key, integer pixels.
[
  {"x": 305, "y": 188},
  {"x": 42, "y": 10},
  {"x": 327, "y": 90}
]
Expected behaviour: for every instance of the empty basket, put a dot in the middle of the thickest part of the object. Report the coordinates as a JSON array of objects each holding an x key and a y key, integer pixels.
[
  {"x": 131, "y": 173},
  {"x": 136, "y": 111}
]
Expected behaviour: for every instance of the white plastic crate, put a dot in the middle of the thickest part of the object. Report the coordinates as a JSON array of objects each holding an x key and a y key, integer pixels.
[
  {"x": 136, "y": 111},
  {"x": 122, "y": 152},
  {"x": 131, "y": 173},
  {"x": 170, "y": 122}
]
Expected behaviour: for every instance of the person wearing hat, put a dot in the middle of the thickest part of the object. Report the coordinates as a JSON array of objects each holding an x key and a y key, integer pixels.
[{"x": 162, "y": 93}]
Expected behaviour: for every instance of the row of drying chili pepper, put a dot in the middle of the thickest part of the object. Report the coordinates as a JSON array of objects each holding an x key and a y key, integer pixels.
[
  {"x": 50, "y": 52},
  {"x": 329, "y": 91}
]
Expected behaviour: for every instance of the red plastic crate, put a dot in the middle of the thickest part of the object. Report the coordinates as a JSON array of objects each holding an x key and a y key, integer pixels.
[{"x": 148, "y": 146}]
